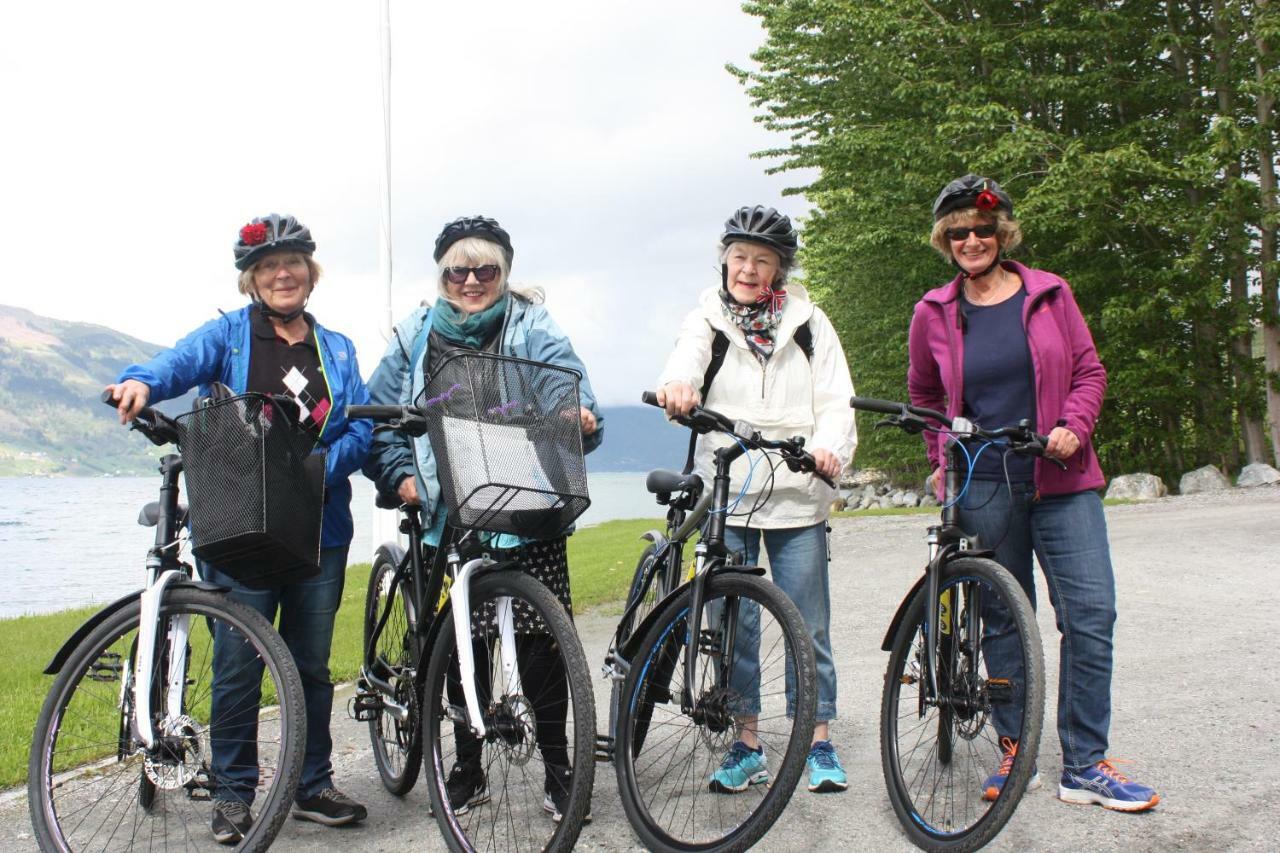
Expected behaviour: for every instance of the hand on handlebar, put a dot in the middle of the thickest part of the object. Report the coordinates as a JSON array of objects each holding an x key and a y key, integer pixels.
[
  {"x": 826, "y": 463},
  {"x": 408, "y": 490},
  {"x": 678, "y": 398},
  {"x": 1062, "y": 443},
  {"x": 130, "y": 396}
]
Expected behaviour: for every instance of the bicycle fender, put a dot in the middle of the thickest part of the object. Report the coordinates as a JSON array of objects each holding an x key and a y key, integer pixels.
[
  {"x": 887, "y": 644},
  {"x": 628, "y": 650},
  {"x": 658, "y": 538},
  {"x": 60, "y": 658},
  {"x": 390, "y": 551}
]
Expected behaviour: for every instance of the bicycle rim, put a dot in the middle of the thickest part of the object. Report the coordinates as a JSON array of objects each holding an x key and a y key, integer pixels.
[
  {"x": 939, "y": 751},
  {"x": 396, "y": 737},
  {"x": 95, "y": 787},
  {"x": 499, "y": 792},
  {"x": 666, "y": 758}
]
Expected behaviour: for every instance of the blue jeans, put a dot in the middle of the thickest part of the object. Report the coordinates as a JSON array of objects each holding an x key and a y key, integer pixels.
[
  {"x": 798, "y": 563},
  {"x": 307, "y": 611},
  {"x": 1068, "y": 534}
]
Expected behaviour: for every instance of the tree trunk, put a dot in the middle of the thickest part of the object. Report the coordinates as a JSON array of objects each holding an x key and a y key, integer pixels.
[{"x": 1264, "y": 66}]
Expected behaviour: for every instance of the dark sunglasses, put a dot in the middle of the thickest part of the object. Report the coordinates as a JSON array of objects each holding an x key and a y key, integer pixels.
[
  {"x": 959, "y": 234},
  {"x": 484, "y": 274}
]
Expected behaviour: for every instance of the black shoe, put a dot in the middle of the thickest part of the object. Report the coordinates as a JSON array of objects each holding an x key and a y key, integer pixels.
[
  {"x": 231, "y": 820},
  {"x": 556, "y": 801},
  {"x": 466, "y": 787},
  {"x": 330, "y": 807}
]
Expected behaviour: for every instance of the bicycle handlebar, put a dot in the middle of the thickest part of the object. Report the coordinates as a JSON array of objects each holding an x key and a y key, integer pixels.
[
  {"x": 154, "y": 424},
  {"x": 376, "y": 413},
  {"x": 703, "y": 420}
]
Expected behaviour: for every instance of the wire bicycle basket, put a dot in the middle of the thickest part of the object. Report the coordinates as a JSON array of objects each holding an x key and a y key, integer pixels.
[
  {"x": 256, "y": 490},
  {"x": 507, "y": 441}
]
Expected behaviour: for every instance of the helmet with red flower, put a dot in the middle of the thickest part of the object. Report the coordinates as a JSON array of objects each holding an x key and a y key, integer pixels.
[
  {"x": 271, "y": 233},
  {"x": 971, "y": 191}
]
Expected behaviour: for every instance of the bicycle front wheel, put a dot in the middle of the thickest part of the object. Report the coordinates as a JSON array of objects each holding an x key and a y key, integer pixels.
[
  {"x": 396, "y": 730},
  {"x": 755, "y": 679},
  {"x": 231, "y": 730},
  {"x": 941, "y": 751},
  {"x": 526, "y": 783}
]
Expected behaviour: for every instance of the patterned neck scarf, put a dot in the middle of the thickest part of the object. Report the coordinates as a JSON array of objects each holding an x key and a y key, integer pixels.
[{"x": 758, "y": 322}]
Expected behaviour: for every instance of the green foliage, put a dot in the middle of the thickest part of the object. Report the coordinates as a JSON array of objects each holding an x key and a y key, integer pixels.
[{"x": 1126, "y": 134}]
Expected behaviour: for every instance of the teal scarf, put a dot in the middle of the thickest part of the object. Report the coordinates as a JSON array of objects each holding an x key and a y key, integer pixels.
[{"x": 472, "y": 330}]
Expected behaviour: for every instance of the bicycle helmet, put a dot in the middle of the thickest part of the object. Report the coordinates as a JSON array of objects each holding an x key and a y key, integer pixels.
[
  {"x": 474, "y": 226},
  {"x": 763, "y": 225},
  {"x": 971, "y": 191},
  {"x": 269, "y": 234}
]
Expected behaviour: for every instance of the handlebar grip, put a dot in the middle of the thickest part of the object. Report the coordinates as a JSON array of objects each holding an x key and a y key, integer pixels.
[
  {"x": 650, "y": 398},
  {"x": 375, "y": 413},
  {"x": 870, "y": 404}
]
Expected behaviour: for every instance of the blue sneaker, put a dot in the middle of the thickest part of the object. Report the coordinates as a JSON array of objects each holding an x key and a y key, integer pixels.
[
  {"x": 995, "y": 782},
  {"x": 826, "y": 776},
  {"x": 741, "y": 768},
  {"x": 1103, "y": 785}
]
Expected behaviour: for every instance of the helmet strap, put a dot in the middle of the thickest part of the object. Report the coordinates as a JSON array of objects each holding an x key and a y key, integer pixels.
[
  {"x": 966, "y": 275},
  {"x": 273, "y": 314},
  {"x": 724, "y": 276}
]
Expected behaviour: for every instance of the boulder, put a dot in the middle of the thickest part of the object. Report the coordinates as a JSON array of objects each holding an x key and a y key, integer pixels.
[
  {"x": 896, "y": 498},
  {"x": 838, "y": 505},
  {"x": 1257, "y": 474},
  {"x": 1140, "y": 487},
  {"x": 910, "y": 499},
  {"x": 1206, "y": 479},
  {"x": 929, "y": 500}
]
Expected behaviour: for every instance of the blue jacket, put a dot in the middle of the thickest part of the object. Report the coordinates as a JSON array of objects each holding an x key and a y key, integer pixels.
[
  {"x": 218, "y": 351},
  {"x": 530, "y": 334}
]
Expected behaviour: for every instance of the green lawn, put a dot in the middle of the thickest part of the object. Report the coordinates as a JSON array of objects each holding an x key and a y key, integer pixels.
[{"x": 601, "y": 560}]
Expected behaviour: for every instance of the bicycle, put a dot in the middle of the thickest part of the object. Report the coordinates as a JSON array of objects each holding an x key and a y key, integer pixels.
[
  {"x": 124, "y": 750},
  {"x": 942, "y": 693},
  {"x": 677, "y": 705},
  {"x": 449, "y": 677}
]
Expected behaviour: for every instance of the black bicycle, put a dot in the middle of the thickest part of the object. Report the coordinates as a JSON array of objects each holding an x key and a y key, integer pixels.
[
  {"x": 704, "y": 656},
  {"x": 966, "y": 668},
  {"x": 471, "y": 666},
  {"x": 125, "y": 752}
]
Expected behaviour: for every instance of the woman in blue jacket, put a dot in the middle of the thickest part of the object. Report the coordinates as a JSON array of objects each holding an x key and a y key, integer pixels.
[
  {"x": 273, "y": 346},
  {"x": 478, "y": 310}
]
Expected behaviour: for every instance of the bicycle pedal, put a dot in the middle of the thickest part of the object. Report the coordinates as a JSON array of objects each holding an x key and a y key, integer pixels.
[
  {"x": 106, "y": 668},
  {"x": 604, "y": 749},
  {"x": 364, "y": 707},
  {"x": 709, "y": 643},
  {"x": 999, "y": 691}
]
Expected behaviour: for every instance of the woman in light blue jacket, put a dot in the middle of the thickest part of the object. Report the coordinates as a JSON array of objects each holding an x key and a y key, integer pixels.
[{"x": 478, "y": 310}]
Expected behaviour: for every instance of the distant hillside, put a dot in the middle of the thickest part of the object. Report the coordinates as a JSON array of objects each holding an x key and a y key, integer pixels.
[
  {"x": 51, "y": 374},
  {"x": 638, "y": 438}
]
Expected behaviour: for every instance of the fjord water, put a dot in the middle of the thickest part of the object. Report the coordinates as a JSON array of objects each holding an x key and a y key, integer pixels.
[{"x": 74, "y": 541}]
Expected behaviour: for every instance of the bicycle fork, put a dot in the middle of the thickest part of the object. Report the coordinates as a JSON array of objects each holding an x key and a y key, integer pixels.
[
  {"x": 144, "y": 667},
  {"x": 460, "y": 604}
]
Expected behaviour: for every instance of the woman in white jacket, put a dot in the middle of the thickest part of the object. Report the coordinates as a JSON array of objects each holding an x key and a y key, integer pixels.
[{"x": 785, "y": 373}]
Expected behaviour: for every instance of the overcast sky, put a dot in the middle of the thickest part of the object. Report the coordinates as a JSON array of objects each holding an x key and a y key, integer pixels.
[{"x": 605, "y": 136}]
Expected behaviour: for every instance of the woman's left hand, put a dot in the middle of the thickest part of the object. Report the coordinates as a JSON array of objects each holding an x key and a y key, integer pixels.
[
  {"x": 1062, "y": 443},
  {"x": 826, "y": 463},
  {"x": 588, "y": 420}
]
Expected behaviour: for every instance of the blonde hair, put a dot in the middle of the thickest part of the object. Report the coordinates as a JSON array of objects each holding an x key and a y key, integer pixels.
[
  {"x": 249, "y": 289},
  {"x": 1008, "y": 233}
]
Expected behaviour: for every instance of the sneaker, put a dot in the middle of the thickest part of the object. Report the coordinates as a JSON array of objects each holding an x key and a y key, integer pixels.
[
  {"x": 556, "y": 801},
  {"x": 995, "y": 782},
  {"x": 231, "y": 821},
  {"x": 741, "y": 768},
  {"x": 1102, "y": 784},
  {"x": 826, "y": 776},
  {"x": 330, "y": 807},
  {"x": 466, "y": 787}
]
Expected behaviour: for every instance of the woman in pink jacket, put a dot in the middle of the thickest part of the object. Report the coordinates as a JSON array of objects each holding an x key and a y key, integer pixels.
[{"x": 1000, "y": 343}]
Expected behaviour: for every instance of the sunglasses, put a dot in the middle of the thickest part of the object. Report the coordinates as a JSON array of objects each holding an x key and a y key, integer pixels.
[
  {"x": 960, "y": 234},
  {"x": 484, "y": 274}
]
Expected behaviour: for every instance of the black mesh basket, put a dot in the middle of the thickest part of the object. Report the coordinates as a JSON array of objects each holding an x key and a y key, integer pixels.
[
  {"x": 255, "y": 489},
  {"x": 507, "y": 440}
]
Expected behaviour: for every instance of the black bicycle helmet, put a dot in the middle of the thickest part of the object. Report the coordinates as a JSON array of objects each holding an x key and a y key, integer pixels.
[
  {"x": 971, "y": 191},
  {"x": 269, "y": 234},
  {"x": 474, "y": 226},
  {"x": 763, "y": 225}
]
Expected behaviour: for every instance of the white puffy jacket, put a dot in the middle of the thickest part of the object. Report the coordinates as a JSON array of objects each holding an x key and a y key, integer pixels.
[{"x": 787, "y": 396}]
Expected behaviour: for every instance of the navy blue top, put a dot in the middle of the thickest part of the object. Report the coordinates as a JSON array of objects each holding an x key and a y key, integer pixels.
[{"x": 998, "y": 380}]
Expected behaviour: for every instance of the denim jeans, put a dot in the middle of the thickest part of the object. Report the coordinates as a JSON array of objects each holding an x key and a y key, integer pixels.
[
  {"x": 798, "y": 563},
  {"x": 1068, "y": 534},
  {"x": 307, "y": 611}
]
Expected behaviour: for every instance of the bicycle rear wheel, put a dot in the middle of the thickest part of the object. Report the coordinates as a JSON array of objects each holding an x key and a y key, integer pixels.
[
  {"x": 93, "y": 785},
  {"x": 649, "y": 584},
  {"x": 396, "y": 730},
  {"x": 938, "y": 751},
  {"x": 535, "y": 760},
  {"x": 665, "y": 777}
]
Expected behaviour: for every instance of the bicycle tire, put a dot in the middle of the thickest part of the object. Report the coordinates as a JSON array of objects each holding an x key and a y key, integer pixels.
[
  {"x": 649, "y": 583},
  {"x": 512, "y": 754},
  {"x": 662, "y": 779},
  {"x": 941, "y": 807},
  {"x": 397, "y": 745},
  {"x": 76, "y": 750}
]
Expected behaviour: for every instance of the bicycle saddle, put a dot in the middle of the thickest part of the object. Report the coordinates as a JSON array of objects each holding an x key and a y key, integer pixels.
[
  {"x": 150, "y": 514},
  {"x": 660, "y": 482}
]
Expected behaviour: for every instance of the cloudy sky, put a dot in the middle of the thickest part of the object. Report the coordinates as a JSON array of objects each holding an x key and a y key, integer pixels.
[{"x": 606, "y": 136}]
